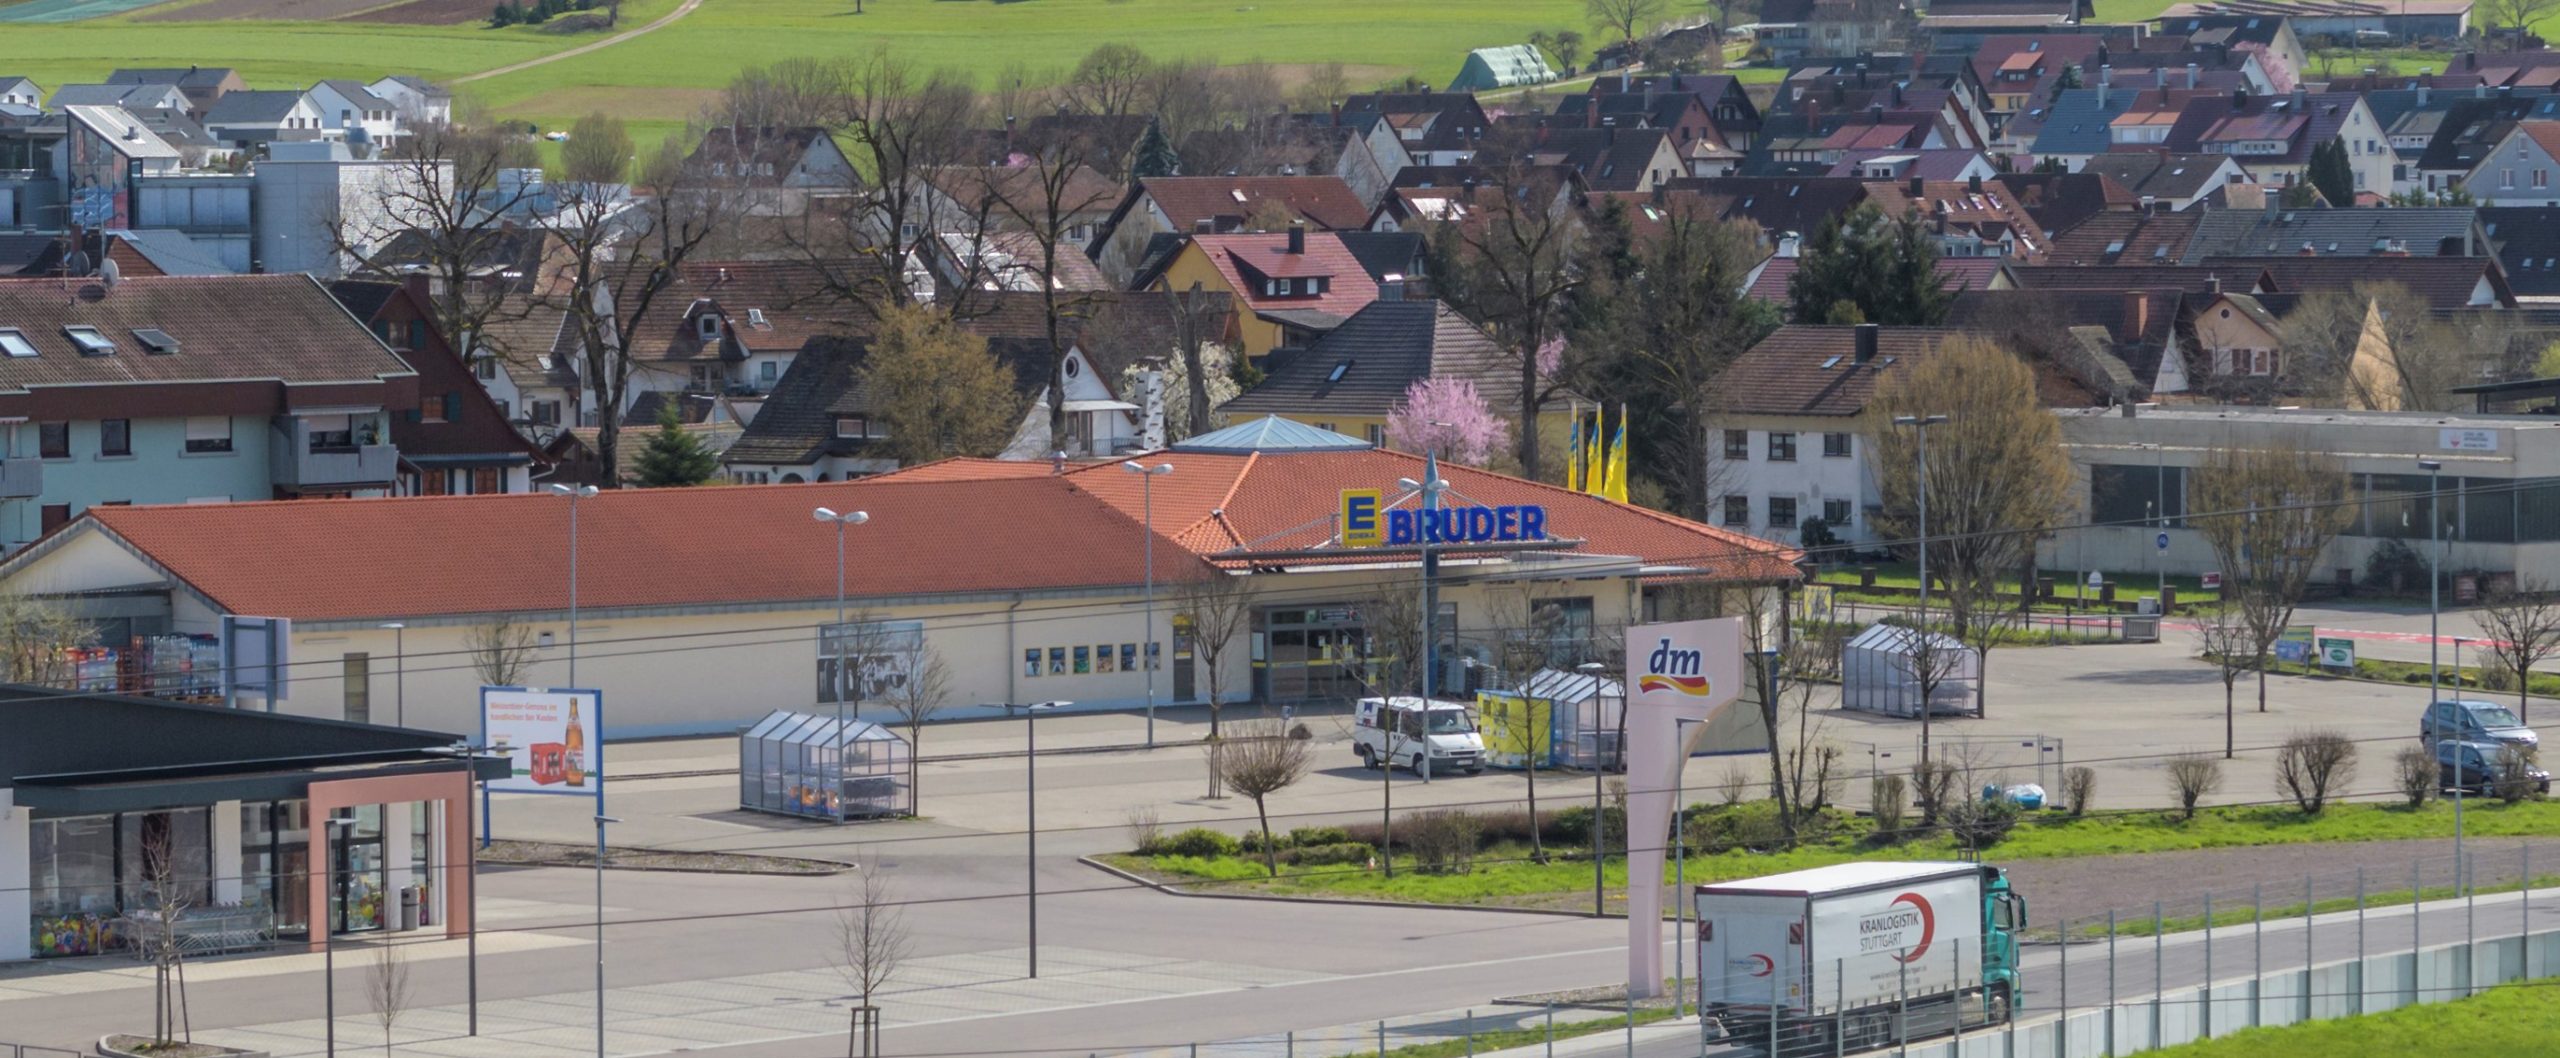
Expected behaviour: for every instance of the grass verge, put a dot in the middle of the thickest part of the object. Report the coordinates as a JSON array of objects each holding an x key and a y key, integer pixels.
[
  {"x": 2241, "y": 916},
  {"x": 2518, "y": 1018},
  {"x": 1486, "y": 1042}
]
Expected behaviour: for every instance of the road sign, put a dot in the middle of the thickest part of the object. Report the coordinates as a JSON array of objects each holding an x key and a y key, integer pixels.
[
  {"x": 2337, "y": 652},
  {"x": 2161, "y": 541},
  {"x": 2294, "y": 644}
]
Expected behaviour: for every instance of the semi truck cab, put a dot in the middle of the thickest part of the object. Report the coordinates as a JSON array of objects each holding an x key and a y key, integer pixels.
[{"x": 2004, "y": 913}]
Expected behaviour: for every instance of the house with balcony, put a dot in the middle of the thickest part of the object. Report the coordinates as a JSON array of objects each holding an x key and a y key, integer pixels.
[
  {"x": 185, "y": 389},
  {"x": 454, "y": 441}
]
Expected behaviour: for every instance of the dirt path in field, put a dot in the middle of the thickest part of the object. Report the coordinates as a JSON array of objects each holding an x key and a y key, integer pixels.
[{"x": 662, "y": 22}]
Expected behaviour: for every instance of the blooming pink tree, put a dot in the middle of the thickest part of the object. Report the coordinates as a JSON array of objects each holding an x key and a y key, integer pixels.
[{"x": 1447, "y": 416}]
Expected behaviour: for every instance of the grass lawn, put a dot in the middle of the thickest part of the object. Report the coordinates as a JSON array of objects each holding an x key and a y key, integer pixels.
[
  {"x": 2513, "y": 1019},
  {"x": 1504, "y": 875}
]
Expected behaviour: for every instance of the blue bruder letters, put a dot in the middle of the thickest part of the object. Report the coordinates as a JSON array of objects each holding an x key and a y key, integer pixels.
[{"x": 1466, "y": 525}]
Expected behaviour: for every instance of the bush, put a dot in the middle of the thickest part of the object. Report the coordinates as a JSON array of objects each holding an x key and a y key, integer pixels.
[
  {"x": 2413, "y": 771},
  {"x": 2079, "y": 789},
  {"x": 2311, "y": 765},
  {"x": 1305, "y": 837},
  {"x": 1888, "y": 799},
  {"x": 1754, "y": 825},
  {"x": 1251, "y": 841},
  {"x": 1572, "y": 827},
  {"x": 1982, "y": 823},
  {"x": 2514, "y": 781},
  {"x": 2497, "y": 673},
  {"x": 1330, "y": 854},
  {"x": 1933, "y": 790},
  {"x": 2193, "y": 778},
  {"x": 1442, "y": 841},
  {"x": 1146, "y": 830},
  {"x": 1197, "y": 841}
]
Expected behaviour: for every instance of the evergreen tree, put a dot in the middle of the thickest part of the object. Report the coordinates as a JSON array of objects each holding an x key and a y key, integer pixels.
[
  {"x": 503, "y": 15},
  {"x": 2330, "y": 173},
  {"x": 674, "y": 457},
  {"x": 1155, "y": 155},
  {"x": 1860, "y": 267}
]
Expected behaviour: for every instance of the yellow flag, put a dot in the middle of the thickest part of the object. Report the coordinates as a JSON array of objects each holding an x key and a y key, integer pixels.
[
  {"x": 1573, "y": 453},
  {"x": 1617, "y": 487},
  {"x": 1592, "y": 466}
]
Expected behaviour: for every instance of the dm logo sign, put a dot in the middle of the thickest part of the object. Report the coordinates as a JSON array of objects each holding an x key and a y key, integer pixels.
[{"x": 1674, "y": 670}]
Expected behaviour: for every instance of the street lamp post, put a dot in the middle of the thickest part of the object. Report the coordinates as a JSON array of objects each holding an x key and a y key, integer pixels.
[
  {"x": 2435, "y": 610},
  {"x": 574, "y": 494},
  {"x": 1147, "y": 532},
  {"x": 1680, "y": 874},
  {"x": 840, "y": 521},
  {"x": 2160, "y": 516},
  {"x": 337, "y": 829},
  {"x": 399, "y": 671},
  {"x": 601, "y": 821},
  {"x": 1429, "y": 489},
  {"x": 1920, "y": 425},
  {"x": 1031, "y": 816},
  {"x": 1599, "y": 820}
]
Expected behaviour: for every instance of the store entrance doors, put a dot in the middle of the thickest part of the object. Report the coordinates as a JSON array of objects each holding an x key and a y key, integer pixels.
[
  {"x": 1313, "y": 654},
  {"x": 358, "y": 872}
]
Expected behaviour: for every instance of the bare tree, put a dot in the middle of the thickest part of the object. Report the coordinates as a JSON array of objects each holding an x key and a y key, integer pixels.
[
  {"x": 2523, "y": 623},
  {"x": 872, "y": 942},
  {"x": 1505, "y": 259},
  {"x": 1761, "y": 639},
  {"x": 36, "y": 637},
  {"x": 599, "y": 150},
  {"x": 1625, "y": 17},
  {"x": 2314, "y": 764},
  {"x": 2193, "y": 778},
  {"x": 501, "y": 651},
  {"x": 439, "y": 209},
  {"x": 919, "y": 687},
  {"x": 2268, "y": 511},
  {"x": 1110, "y": 79},
  {"x": 2516, "y": 16},
  {"x": 169, "y": 892},
  {"x": 623, "y": 252},
  {"x": 2224, "y": 638},
  {"x": 1995, "y": 478},
  {"x": 1387, "y": 662},
  {"x": 1524, "y": 626},
  {"x": 1260, "y": 761},
  {"x": 1219, "y": 607},
  {"x": 386, "y": 983},
  {"x": 2413, "y": 774},
  {"x": 1047, "y": 197}
]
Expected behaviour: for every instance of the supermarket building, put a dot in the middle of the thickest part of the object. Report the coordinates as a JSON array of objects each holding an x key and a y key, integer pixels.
[{"x": 702, "y": 609}]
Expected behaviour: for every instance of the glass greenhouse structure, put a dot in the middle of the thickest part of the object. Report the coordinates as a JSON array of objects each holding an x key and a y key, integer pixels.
[
  {"x": 800, "y": 764},
  {"x": 1881, "y": 669}
]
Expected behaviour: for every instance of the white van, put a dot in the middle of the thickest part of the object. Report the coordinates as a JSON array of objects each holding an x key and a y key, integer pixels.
[{"x": 1420, "y": 736}]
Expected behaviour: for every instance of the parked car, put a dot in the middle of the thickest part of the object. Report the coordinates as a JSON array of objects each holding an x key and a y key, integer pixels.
[
  {"x": 2470, "y": 720},
  {"x": 2472, "y": 767}
]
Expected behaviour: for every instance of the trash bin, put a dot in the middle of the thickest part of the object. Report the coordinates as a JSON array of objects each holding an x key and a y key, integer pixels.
[{"x": 408, "y": 907}]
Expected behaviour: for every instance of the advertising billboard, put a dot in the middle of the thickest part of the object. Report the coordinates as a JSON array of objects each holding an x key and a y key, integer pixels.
[{"x": 549, "y": 737}]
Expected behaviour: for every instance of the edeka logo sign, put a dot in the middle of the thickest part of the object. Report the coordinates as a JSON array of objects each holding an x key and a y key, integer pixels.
[
  {"x": 1674, "y": 670},
  {"x": 1360, "y": 518},
  {"x": 1466, "y": 525}
]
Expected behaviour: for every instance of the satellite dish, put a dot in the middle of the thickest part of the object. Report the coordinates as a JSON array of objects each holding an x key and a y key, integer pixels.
[{"x": 109, "y": 273}]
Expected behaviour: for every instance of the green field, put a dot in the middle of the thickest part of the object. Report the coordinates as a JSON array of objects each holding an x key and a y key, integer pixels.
[
  {"x": 2513, "y": 1019},
  {"x": 667, "y": 75}
]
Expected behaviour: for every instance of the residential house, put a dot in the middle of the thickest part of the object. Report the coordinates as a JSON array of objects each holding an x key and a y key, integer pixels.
[
  {"x": 1703, "y": 147},
  {"x": 1436, "y": 128},
  {"x": 2143, "y": 237},
  {"x": 1349, "y": 379},
  {"x": 2009, "y": 16},
  {"x": 2517, "y": 170},
  {"x": 2078, "y": 126},
  {"x": 1729, "y": 105},
  {"x": 2021, "y": 71},
  {"x": 2470, "y": 129},
  {"x": 1608, "y": 158},
  {"x": 1106, "y": 142},
  {"x": 1001, "y": 260},
  {"x": 1956, "y": 165},
  {"x": 1289, "y": 286},
  {"x": 204, "y": 85},
  {"x": 2273, "y": 136},
  {"x": 176, "y": 389},
  {"x": 968, "y": 199},
  {"x": 1207, "y": 205},
  {"x": 417, "y": 100},
  {"x": 1795, "y": 29},
  {"x": 1789, "y": 449},
  {"x": 2089, "y": 347},
  {"x": 1366, "y": 156},
  {"x": 20, "y": 92},
  {"x": 249, "y": 120},
  {"x": 2271, "y": 35},
  {"x": 1509, "y": 66},
  {"x": 2239, "y": 347},
  {"x": 454, "y": 440},
  {"x": 350, "y": 111},
  {"x": 525, "y": 357},
  {"x": 2527, "y": 239},
  {"x": 1971, "y": 218},
  {"x": 133, "y": 97},
  {"x": 781, "y": 169},
  {"x": 2425, "y": 231},
  {"x": 2355, "y": 21},
  {"x": 321, "y": 209},
  {"x": 730, "y": 327},
  {"x": 2174, "y": 181}
]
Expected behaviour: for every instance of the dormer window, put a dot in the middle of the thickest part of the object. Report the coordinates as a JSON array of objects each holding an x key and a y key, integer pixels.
[
  {"x": 853, "y": 427},
  {"x": 707, "y": 326}
]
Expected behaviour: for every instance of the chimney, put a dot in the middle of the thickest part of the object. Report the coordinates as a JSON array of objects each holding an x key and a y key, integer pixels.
[
  {"x": 1917, "y": 190},
  {"x": 2422, "y": 95},
  {"x": 1875, "y": 113},
  {"x": 2213, "y": 286},
  {"x": 2159, "y": 77},
  {"x": 2150, "y": 205},
  {"x": 1897, "y": 93},
  {"x": 2106, "y": 74},
  {"x": 1297, "y": 239},
  {"x": 2308, "y": 250},
  {"x": 2191, "y": 75},
  {"x": 2239, "y": 99},
  {"x": 1058, "y": 462},
  {"x": 1973, "y": 185},
  {"x": 2480, "y": 90},
  {"x": 2301, "y": 99},
  {"x": 1790, "y": 244},
  {"x": 2102, "y": 87},
  {"x": 1862, "y": 75},
  {"x": 2274, "y": 198},
  {"x": 1867, "y": 333},
  {"x": 2137, "y": 315}
]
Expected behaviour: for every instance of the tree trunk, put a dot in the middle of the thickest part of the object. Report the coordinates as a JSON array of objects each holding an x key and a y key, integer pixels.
[
  {"x": 2262, "y": 683},
  {"x": 1529, "y": 411},
  {"x": 2229, "y": 720},
  {"x": 1537, "y": 845},
  {"x": 1270, "y": 858}
]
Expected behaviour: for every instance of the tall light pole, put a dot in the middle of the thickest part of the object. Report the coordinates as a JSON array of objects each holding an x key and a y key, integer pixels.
[
  {"x": 575, "y": 494},
  {"x": 1680, "y": 876},
  {"x": 337, "y": 830},
  {"x": 399, "y": 671},
  {"x": 2160, "y": 515},
  {"x": 840, "y": 521},
  {"x": 601, "y": 820},
  {"x": 1599, "y": 820},
  {"x": 1031, "y": 816},
  {"x": 1147, "y": 532},
  {"x": 2435, "y": 610},
  {"x": 1920, "y": 425}
]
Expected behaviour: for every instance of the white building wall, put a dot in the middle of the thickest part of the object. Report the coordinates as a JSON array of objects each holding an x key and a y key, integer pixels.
[{"x": 1811, "y": 479}]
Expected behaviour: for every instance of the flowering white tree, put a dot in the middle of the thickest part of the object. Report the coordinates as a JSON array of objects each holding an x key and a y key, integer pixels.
[
  {"x": 1447, "y": 416},
  {"x": 1218, "y": 378}
]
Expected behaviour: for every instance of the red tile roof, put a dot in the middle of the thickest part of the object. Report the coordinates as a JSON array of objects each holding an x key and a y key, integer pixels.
[
  {"x": 1346, "y": 290},
  {"x": 1322, "y": 201}
]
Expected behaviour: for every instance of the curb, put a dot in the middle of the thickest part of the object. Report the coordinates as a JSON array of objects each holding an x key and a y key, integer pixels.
[{"x": 1338, "y": 901}]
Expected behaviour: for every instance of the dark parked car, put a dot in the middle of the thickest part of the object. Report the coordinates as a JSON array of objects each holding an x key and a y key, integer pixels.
[
  {"x": 2472, "y": 767},
  {"x": 2469, "y": 720}
]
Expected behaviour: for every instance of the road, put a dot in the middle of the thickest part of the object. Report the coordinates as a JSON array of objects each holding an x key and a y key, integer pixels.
[{"x": 654, "y": 25}]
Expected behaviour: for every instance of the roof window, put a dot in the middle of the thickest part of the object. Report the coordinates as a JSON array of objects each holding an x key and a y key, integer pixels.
[
  {"x": 155, "y": 341},
  {"x": 1339, "y": 370},
  {"x": 91, "y": 341},
  {"x": 15, "y": 344}
]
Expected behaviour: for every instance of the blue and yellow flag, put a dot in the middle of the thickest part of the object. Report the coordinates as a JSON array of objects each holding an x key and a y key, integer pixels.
[
  {"x": 1573, "y": 449},
  {"x": 1592, "y": 467},
  {"x": 1616, "y": 488}
]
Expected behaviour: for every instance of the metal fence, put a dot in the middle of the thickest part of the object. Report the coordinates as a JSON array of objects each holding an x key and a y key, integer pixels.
[{"x": 2086, "y": 986}]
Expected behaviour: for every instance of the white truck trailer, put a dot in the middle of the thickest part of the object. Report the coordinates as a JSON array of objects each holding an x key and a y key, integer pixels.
[{"x": 1858, "y": 955}]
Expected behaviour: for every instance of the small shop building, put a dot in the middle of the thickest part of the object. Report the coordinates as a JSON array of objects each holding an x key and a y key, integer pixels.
[
  {"x": 701, "y": 610},
  {"x": 255, "y": 829}
]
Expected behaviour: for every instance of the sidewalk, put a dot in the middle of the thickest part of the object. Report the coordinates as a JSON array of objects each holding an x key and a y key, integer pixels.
[{"x": 1376, "y": 1037}]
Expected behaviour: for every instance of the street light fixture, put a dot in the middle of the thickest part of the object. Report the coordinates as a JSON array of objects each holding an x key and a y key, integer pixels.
[
  {"x": 1147, "y": 533},
  {"x": 337, "y": 829},
  {"x": 1920, "y": 425},
  {"x": 1599, "y": 820},
  {"x": 2435, "y": 610},
  {"x": 1031, "y": 816},
  {"x": 399, "y": 671},
  {"x": 840, "y": 521},
  {"x": 601, "y": 820},
  {"x": 575, "y": 494}
]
